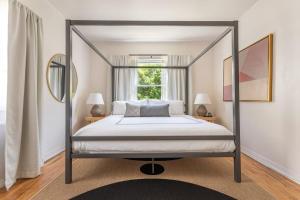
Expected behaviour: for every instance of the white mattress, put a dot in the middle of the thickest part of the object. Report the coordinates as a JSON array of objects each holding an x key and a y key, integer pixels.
[{"x": 117, "y": 125}]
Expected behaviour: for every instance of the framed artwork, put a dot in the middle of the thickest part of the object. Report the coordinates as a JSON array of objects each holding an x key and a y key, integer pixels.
[{"x": 255, "y": 72}]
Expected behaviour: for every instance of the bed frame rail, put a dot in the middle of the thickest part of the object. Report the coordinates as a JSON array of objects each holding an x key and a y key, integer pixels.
[
  {"x": 151, "y": 138},
  {"x": 153, "y": 155}
]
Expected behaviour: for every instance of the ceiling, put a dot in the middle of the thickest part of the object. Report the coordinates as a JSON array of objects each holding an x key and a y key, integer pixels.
[
  {"x": 150, "y": 34},
  {"x": 152, "y": 10}
]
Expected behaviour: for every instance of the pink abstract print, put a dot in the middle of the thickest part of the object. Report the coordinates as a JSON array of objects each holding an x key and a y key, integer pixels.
[{"x": 254, "y": 73}]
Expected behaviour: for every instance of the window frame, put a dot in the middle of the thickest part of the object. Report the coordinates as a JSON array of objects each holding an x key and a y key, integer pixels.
[{"x": 150, "y": 61}]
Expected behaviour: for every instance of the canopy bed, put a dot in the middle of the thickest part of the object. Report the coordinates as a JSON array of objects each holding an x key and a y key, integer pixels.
[{"x": 181, "y": 135}]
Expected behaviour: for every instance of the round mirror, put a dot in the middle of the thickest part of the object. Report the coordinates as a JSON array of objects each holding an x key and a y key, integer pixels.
[{"x": 56, "y": 77}]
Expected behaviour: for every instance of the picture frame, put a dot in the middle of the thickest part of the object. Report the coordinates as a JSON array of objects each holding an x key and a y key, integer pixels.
[{"x": 256, "y": 72}]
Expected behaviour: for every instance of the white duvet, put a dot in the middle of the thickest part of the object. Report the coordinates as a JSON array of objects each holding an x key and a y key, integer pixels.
[{"x": 117, "y": 125}]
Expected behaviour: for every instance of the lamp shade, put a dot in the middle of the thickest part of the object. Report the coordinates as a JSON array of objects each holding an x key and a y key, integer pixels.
[
  {"x": 95, "y": 99},
  {"x": 202, "y": 98}
]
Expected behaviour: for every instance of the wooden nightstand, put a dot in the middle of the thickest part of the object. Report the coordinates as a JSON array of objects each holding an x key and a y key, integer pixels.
[
  {"x": 209, "y": 119},
  {"x": 91, "y": 119}
]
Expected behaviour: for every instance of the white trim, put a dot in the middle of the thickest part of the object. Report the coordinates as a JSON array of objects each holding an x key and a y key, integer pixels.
[
  {"x": 52, "y": 154},
  {"x": 271, "y": 164}
]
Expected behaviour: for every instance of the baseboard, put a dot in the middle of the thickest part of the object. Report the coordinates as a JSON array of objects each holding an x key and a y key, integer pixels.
[
  {"x": 2, "y": 183},
  {"x": 52, "y": 154},
  {"x": 272, "y": 165}
]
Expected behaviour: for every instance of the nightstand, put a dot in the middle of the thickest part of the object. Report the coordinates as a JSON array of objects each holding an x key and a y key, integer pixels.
[
  {"x": 91, "y": 119},
  {"x": 209, "y": 119}
]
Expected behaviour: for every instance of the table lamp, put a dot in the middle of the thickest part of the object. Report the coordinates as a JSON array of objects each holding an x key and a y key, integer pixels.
[
  {"x": 96, "y": 100},
  {"x": 202, "y": 99}
]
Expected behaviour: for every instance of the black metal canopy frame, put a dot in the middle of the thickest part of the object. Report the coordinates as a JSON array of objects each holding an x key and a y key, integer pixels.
[{"x": 69, "y": 154}]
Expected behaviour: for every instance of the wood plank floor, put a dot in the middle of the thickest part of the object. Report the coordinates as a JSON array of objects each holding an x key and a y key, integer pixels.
[{"x": 279, "y": 186}]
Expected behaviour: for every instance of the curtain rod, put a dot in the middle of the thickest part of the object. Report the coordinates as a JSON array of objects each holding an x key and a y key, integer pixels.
[
  {"x": 148, "y": 54},
  {"x": 59, "y": 64},
  {"x": 152, "y": 67}
]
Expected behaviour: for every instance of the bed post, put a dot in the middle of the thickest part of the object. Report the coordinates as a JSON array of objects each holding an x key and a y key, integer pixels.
[
  {"x": 112, "y": 83},
  {"x": 236, "y": 101},
  {"x": 187, "y": 90},
  {"x": 68, "y": 105}
]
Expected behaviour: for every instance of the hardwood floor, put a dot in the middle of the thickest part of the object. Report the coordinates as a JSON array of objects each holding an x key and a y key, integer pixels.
[
  {"x": 273, "y": 182},
  {"x": 279, "y": 186},
  {"x": 24, "y": 189}
]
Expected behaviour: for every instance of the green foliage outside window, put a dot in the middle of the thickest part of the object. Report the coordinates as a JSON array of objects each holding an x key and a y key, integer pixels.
[{"x": 149, "y": 82}]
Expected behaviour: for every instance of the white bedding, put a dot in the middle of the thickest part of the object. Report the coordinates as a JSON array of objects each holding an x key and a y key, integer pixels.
[{"x": 117, "y": 125}]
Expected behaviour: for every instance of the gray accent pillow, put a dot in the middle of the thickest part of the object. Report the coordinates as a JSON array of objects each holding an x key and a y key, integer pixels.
[
  {"x": 132, "y": 110},
  {"x": 161, "y": 110}
]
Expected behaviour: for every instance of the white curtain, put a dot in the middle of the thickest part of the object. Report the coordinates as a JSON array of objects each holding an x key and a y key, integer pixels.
[
  {"x": 175, "y": 79},
  {"x": 24, "y": 62},
  {"x": 3, "y": 82},
  {"x": 125, "y": 87}
]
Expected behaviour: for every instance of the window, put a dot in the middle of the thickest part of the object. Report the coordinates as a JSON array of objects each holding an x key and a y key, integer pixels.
[
  {"x": 3, "y": 57},
  {"x": 149, "y": 80}
]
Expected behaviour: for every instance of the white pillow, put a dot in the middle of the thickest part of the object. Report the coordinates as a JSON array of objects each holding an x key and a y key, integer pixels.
[
  {"x": 176, "y": 107},
  {"x": 119, "y": 107}
]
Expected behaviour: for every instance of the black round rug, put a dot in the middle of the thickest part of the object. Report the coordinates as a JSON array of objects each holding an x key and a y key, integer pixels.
[{"x": 152, "y": 189}]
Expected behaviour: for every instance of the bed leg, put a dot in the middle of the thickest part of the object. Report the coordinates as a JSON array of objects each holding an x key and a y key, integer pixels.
[
  {"x": 68, "y": 169},
  {"x": 237, "y": 167},
  {"x": 152, "y": 166}
]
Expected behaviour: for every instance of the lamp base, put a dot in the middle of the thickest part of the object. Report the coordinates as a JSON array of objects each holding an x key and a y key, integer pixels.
[
  {"x": 202, "y": 111},
  {"x": 96, "y": 111}
]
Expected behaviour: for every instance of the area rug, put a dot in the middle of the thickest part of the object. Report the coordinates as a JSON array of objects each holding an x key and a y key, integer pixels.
[
  {"x": 152, "y": 189},
  {"x": 212, "y": 173}
]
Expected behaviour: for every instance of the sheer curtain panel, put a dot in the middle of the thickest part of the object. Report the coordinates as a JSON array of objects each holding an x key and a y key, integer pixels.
[
  {"x": 125, "y": 87},
  {"x": 175, "y": 79},
  {"x": 24, "y": 62}
]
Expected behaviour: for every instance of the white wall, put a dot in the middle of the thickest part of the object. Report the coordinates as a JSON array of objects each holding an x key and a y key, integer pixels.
[
  {"x": 202, "y": 70},
  {"x": 270, "y": 132},
  {"x": 82, "y": 59}
]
